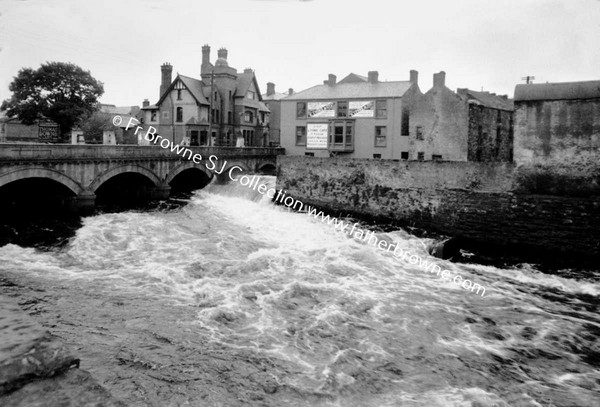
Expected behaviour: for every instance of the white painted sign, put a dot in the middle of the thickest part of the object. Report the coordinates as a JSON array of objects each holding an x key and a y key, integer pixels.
[
  {"x": 361, "y": 108},
  {"x": 316, "y": 135},
  {"x": 321, "y": 109}
]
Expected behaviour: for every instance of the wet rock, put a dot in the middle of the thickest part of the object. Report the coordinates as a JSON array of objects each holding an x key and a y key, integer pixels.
[{"x": 446, "y": 249}]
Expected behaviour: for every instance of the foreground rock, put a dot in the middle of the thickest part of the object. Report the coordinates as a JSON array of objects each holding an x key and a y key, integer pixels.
[{"x": 37, "y": 370}]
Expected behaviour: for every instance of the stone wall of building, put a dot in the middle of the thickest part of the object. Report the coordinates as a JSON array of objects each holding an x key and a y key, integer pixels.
[
  {"x": 490, "y": 134},
  {"x": 557, "y": 131},
  {"x": 490, "y": 203}
]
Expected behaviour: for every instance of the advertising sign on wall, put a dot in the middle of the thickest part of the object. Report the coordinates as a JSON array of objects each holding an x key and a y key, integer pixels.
[
  {"x": 361, "y": 108},
  {"x": 316, "y": 135},
  {"x": 321, "y": 109}
]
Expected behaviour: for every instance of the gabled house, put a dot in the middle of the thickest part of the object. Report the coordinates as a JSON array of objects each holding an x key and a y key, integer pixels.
[{"x": 221, "y": 108}]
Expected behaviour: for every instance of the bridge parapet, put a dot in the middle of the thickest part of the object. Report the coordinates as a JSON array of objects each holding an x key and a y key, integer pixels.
[{"x": 67, "y": 152}]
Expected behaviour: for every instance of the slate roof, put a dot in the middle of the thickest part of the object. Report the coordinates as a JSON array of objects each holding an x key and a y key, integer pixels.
[
  {"x": 558, "y": 91},
  {"x": 244, "y": 80},
  {"x": 489, "y": 100},
  {"x": 195, "y": 87},
  {"x": 353, "y": 77},
  {"x": 112, "y": 109},
  {"x": 275, "y": 96},
  {"x": 355, "y": 90}
]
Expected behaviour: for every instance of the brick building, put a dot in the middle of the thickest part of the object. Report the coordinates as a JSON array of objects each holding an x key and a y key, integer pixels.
[
  {"x": 12, "y": 130},
  {"x": 224, "y": 107},
  {"x": 359, "y": 117},
  {"x": 557, "y": 122}
]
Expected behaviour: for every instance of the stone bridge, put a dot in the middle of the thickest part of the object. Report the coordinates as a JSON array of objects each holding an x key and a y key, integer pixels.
[{"x": 83, "y": 169}]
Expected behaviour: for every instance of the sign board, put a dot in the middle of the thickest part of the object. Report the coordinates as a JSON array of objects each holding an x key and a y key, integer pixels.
[
  {"x": 321, "y": 109},
  {"x": 361, "y": 108},
  {"x": 316, "y": 135}
]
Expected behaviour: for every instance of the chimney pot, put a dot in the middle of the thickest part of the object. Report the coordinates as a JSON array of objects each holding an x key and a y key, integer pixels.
[
  {"x": 332, "y": 79},
  {"x": 414, "y": 76},
  {"x": 373, "y": 76},
  {"x": 145, "y": 103},
  {"x": 248, "y": 70},
  {"x": 290, "y": 91},
  {"x": 222, "y": 53},
  {"x": 439, "y": 79}
]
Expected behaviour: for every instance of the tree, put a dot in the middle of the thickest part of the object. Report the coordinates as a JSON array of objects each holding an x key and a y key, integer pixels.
[{"x": 59, "y": 91}]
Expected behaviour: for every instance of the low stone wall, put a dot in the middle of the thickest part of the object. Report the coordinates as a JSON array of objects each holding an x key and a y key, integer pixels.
[{"x": 537, "y": 208}]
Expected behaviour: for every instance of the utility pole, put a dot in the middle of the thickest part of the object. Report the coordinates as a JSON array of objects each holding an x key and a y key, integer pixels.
[{"x": 528, "y": 79}]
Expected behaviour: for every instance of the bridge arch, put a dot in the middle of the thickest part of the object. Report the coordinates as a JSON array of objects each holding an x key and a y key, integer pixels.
[
  {"x": 41, "y": 172},
  {"x": 186, "y": 166},
  {"x": 267, "y": 167},
  {"x": 132, "y": 168}
]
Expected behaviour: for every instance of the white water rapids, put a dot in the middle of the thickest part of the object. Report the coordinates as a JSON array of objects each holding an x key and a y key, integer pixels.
[{"x": 329, "y": 320}]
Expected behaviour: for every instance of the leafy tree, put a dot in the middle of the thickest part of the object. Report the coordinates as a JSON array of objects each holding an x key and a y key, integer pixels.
[{"x": 60, "y": 91}]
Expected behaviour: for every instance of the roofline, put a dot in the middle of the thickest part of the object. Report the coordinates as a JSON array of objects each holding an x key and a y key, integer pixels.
[{"x": 170, "y": 88}]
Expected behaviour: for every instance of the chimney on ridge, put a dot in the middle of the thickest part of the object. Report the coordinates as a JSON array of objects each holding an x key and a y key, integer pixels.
[
  {"x": 290, "y": 91},
  {"x": 206, "y": 54},
  {"x": 439, "y": 79},
  {"x": 270, "y": 88},
  {"x": 166, "y": 70},
  {"x": 373, "y": 76},
  {"x": 332, "y": 79},
  {"x": 145, "y": 103},
  {"x": 414, "y": 76}
]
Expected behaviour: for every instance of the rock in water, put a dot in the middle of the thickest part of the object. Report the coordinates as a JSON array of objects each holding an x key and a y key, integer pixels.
[{"x": 446, "y": 249}]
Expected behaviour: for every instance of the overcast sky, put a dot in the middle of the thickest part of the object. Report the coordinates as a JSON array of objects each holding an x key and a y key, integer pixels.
[{"x": 480, "y": 44}]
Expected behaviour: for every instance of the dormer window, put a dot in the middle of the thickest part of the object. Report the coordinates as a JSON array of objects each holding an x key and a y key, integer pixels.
[{"x": 250, "y": 95}]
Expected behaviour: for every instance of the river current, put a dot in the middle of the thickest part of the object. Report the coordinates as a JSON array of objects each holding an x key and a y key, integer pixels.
[{"x": 230, "y": 300}]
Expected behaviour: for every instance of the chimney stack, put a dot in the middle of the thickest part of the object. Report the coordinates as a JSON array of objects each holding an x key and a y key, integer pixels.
[
  {"x": 145, "y": 103},
  {"x": 439, "y": 79},
  {"x": 270, "y": 88},
  {"x": 222, "y": 53},
  {"x": 373, "y": 76},
  {"x": 332, "y": 79},
  {"x": 206, "y": 54},
  {"x": 290, "y": 91},
  {"x": 248, "y": 70},
  {"x": 166, "y": 70},
  {"x": 414, "y": 76}
]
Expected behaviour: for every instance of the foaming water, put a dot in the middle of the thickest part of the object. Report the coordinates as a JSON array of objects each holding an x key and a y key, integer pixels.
[{"x": 358, "y": 326}]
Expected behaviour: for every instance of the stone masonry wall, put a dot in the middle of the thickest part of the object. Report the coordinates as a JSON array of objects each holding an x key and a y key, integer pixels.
[{"x": 495, "y": 203}]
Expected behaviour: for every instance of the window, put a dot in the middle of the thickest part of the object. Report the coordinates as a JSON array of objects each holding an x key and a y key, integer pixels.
[
  {"x": 309, "y": 154},
  {"x": 194, "y": 138},
  {"x": 341, "y": 134},
  {"x": 436, "y": 157},
  {"x": 380, "y": 136},
  {"x": 230, "y": 95},
  {"x": 404, "y": 155},
  {"x": 419, "y": 131},
  {"x": 377, "y": 156},
  {"x": 153, "y": 115},
  {"x": 178, "y": 94},
  {"x": 342, "y": 109},
  {"x": 349, "y": 129},
  {"x": 381, "y": 109},
  {"x": 301, "y": 135},
  {"x": 248, "y": 116},
  {"x": 203, "y": 138},
  {"x": 250, "y": 95},
  {"x": 229, "y": 116},
  {"x": 179, "y": 114},
  {"x": 405, "y": 125},
  {"x": 499, "y": 118},
  {"x": 301, "y": 110},
  {"x": 420, "y": 156},
  {"x": 165, "y": 114},
  {"x": 215, "y": 99}
]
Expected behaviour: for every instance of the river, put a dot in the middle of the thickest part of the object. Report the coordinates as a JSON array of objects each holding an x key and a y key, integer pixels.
[{"x": 229, "y": 300}]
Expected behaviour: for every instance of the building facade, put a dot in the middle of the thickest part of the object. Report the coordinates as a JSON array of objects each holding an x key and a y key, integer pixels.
[
  {"x": 359, "y": 117},
  {"x": 557, "y": 122},
  {"x": 221, "y": 108},
  {"x": 272, "y": 100}
]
